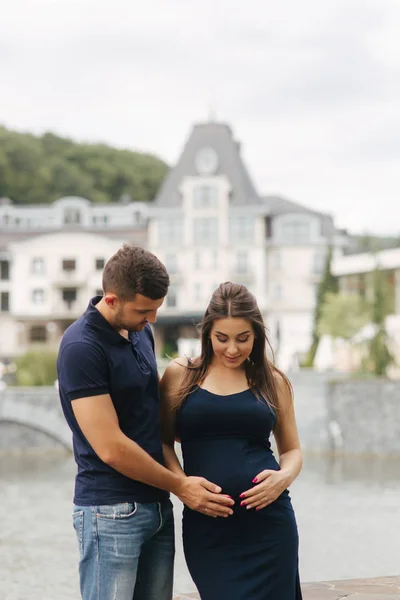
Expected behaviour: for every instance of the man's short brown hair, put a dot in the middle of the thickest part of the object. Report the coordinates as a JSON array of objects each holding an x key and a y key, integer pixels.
[{"x": 133, "y": 270}]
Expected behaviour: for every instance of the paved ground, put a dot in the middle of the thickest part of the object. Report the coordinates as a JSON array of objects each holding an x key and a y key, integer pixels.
[{"x": 383, "y": 588}]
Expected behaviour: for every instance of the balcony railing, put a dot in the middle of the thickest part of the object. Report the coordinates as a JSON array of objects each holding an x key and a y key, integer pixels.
[
  {"x": 70, "y": 279},
  {"x": 244, "y": 276}
]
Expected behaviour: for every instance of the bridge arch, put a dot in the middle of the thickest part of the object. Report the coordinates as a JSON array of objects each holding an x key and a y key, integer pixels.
[{"x": 36, "y": 408}]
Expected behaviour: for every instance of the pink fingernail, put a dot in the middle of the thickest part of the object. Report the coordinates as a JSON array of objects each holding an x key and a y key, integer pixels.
[
  {"x": 255, "y": 480},
  {"x": 258, "y": 508},
  {"x": 243, "y": 504},
  {"x": 242, "y": 495}
]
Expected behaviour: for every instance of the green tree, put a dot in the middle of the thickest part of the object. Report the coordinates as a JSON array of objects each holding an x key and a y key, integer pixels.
[
  {"x": 327, "y": 285},
  {"x": 343, "y": 315},
  {"x": 36, "y": 368},
  {"x": 41, "y": 169},
  {"x": 379, "y": 357}
]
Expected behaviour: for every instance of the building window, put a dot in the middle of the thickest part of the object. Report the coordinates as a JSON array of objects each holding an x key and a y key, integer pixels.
[
  {"x": 215, "y": 259},
  {"x": 69, "y": 296},
  {"x": 205, "y": 196},
  {"x": 137, "y": 217},
  {"x": 37, "y": 266},
  {"x": 72, "y": 216},
  {"x": 172, "y": 297},
  {"x": 277, "y": 333},
  {"x": 197, "y": 292},
  {"x": 38, "y": 333},
  {"x": 205, "y": 230},
  {"x": 170, "y": 231},
  {"x": 277, "y": 260},
  {"x": 100, "y": 220},
  {"x": 318, "y": 263},
  {"x": 241, "y": 262},
  {"x": 278, "y": 291},
  {"x": 100, "y": 262},
  {"x": 69, "y": 264},
  {"x": 241, "y": 229},
  {"x": 4, "y": 270},
  {"x": 171, "y": 263},
  {"x": 6, "y": 219},
  {"x": 38, "y": 296},
  {"x": 4, "y": 301},
  {"x": 295, "y": 232}
]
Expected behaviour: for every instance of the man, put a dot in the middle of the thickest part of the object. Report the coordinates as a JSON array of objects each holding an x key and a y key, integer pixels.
[{"x": 108, "y": 384}]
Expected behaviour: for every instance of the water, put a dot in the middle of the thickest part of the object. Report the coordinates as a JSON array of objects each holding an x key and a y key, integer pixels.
[{"x": 348, "y": 512}]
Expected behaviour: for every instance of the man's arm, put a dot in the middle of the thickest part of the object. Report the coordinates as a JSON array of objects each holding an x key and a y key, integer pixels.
[
  {"x": 83, "y": 379},
  {"x": 98, "y": 421}
]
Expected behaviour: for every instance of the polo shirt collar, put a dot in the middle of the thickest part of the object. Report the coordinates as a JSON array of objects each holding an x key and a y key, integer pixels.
[{"x": 100, "y": 323}]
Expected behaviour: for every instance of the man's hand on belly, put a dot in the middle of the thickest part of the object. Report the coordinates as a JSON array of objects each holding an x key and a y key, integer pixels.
[{"x": 203, "y": 496}]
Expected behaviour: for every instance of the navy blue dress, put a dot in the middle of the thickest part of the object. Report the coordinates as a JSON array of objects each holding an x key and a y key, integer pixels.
[{"x": 251, "y": 555}]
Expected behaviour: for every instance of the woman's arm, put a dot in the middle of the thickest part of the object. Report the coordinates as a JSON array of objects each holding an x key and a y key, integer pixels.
[
  {"x": 169, "y": 387},
  {"x": 286, "y": 434},
  {"x": 270, "y": 483}
]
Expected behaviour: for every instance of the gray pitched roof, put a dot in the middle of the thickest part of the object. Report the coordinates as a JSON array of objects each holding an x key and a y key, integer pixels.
[
  {"x": 219, "y": 137},
  {"x": 134, "y": 236},
  {"x": 276, "y": 205}
]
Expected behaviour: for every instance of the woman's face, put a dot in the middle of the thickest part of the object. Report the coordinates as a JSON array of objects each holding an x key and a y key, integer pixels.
[{"x": 232, "y": 341}]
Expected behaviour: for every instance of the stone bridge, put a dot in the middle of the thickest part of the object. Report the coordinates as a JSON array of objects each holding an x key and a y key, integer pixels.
[
  {"x": 32, "y": 417},
  {"x": 35, "y": 409},
  {"x": 330, "y": 416}
]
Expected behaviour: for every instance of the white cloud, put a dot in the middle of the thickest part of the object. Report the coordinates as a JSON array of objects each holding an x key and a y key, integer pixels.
[{"x": 311, "y": 88}]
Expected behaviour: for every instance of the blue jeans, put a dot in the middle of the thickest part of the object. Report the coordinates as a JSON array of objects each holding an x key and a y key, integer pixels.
[{"x": 126, "y": 551}]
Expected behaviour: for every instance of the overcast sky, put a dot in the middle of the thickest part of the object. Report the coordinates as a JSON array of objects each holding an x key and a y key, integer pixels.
[{"x": 310, "y": 87}]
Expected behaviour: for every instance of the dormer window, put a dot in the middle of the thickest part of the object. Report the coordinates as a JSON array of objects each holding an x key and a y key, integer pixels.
[
  {"x": 137, "y": 217},
  {"x": 205, "y": 196},
  {"x": 295, "y": 231},
  {"x": 72, "y": 216}
]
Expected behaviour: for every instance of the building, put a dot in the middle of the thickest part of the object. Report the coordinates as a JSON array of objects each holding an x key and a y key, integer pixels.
[
  {"x": 207, "y": 224},
  {"x": 51, "y": 259},
  {"x": 355, "y": 274}
]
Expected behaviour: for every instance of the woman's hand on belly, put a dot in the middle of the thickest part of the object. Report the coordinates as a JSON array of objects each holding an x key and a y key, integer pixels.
[{"x": 270, "y": 485}]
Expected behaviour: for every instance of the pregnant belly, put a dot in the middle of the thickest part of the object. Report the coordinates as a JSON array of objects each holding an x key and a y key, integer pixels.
[{"x": 231, "y": 464}]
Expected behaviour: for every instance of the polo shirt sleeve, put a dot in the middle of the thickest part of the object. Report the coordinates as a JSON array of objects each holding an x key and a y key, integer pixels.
[{"x": 83, "y": 371}]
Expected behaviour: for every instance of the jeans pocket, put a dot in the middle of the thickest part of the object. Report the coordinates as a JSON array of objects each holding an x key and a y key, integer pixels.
[
  {"x": 77, "y": 520},
  {"x": 116, "y": 512}
]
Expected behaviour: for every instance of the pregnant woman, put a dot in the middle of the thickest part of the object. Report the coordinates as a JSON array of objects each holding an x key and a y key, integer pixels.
[{"x": 222, "y": 406}]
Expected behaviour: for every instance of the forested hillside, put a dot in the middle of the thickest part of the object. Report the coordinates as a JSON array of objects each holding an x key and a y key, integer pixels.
[{"x": 40, "y": 169}]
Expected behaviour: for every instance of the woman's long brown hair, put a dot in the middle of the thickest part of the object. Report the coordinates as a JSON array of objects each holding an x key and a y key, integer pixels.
[{"x": 235, "y": 300}]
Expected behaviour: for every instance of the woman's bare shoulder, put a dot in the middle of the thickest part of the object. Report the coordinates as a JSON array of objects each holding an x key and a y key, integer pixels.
[
  {"x": 176, "y": 369},
  {"x": 283, "y": 386}
]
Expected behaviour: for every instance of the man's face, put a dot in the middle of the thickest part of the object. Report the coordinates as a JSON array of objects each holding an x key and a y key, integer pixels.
[{"x": 133, "y": 315}]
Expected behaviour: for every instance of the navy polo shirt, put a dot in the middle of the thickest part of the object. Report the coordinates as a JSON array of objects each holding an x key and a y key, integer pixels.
[{"x": 95, "y": 359}]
